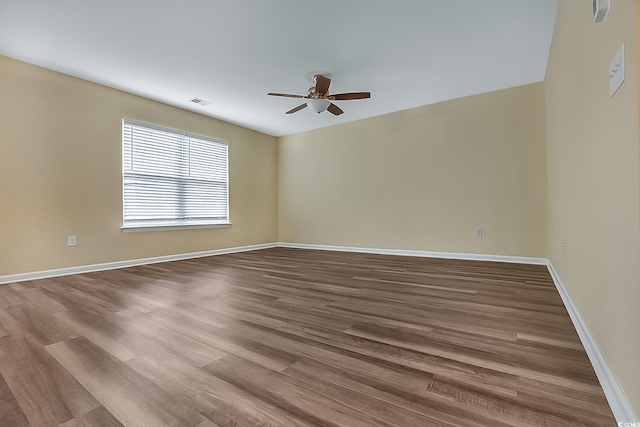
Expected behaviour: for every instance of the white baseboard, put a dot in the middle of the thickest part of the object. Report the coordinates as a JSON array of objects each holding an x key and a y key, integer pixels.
[
  {"x": 618, "y": 400},
  {"x": 425, "y": 254},
  {"x": 11, "y": 278},
  {"x": 45, "y": 274}
]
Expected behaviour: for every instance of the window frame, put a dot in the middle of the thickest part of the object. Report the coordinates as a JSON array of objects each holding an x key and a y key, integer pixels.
[{"x": 176, "y": 223}]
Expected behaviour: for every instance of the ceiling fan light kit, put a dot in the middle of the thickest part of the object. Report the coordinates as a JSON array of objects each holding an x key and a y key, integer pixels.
[
  {"x": 319, "y": 99},
  {"x": 318, "y": 105}
]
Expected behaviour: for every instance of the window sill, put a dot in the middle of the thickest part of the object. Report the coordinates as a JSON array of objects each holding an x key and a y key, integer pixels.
[{"x": 170, "y": 227}]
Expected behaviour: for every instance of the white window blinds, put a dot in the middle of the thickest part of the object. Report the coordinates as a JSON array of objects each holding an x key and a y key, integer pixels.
[{"x": 171, "y": 178}]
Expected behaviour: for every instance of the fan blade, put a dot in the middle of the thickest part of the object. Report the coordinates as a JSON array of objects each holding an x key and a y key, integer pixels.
[
  {"x": 287, "y": 95},
  {"x": 349, "y": 96},
  {"x": 334, "y": 109},
  {"x": 298, "y": 108},
  {"x": 322, "y": 84}
]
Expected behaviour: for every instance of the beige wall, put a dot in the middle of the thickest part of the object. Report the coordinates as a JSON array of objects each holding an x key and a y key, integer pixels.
[
  {"x": 593, "y": 179},
  {"x": 423, "y": 178},
  {"x": 60, "y": 174}
]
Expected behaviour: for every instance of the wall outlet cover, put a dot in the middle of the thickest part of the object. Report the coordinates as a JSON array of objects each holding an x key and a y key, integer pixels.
[{"x": 616, "y": 71}]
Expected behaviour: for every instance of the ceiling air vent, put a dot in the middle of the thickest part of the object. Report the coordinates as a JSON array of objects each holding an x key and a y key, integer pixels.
[{"x": 200, "y": 101}]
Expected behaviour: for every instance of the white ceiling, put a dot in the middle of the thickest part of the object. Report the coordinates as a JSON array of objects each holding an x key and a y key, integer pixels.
[{"x": 232, "y": 52}]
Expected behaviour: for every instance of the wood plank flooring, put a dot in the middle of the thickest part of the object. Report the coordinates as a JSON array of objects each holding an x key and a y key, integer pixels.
[{"x": 292, "y": 338}]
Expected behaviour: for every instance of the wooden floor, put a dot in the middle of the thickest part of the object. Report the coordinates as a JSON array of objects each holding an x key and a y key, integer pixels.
[{"x": 286, "y": 337}]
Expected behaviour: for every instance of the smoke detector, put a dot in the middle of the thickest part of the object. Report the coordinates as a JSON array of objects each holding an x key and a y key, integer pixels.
[{"x": 601, "y": 9}]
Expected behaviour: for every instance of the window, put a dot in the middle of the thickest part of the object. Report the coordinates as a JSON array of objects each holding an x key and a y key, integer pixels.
[{"x": 171, "y": 178}]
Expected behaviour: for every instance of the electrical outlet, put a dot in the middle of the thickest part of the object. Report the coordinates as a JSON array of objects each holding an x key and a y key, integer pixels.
[
  {"x": 563, "y": 246},
  {"x": 72, "y": 240},
  {"x": 478, "y": 232},
  {"x": 259, "y": 229}
]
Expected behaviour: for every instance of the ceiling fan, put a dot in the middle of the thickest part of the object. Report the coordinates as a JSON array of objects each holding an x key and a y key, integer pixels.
[{"x": 318, "y": 98}]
